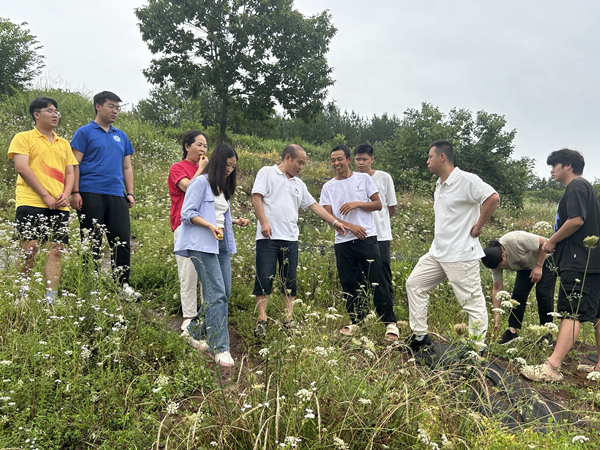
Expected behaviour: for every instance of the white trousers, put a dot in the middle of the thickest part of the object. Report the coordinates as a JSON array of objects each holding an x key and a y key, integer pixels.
[
  {"x": 465, "y": 281},
  {"x": 188, "y": 283}
]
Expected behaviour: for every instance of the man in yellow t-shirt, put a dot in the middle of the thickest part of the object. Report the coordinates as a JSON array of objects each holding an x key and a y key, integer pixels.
[{"x": 45, "y": 166}]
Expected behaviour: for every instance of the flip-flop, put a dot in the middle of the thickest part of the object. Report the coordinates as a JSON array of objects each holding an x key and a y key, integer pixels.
[
  {"x": 391, "y": 332},
  {"x": 585, "y": 368},
  {"x": 349, "y": 330}
]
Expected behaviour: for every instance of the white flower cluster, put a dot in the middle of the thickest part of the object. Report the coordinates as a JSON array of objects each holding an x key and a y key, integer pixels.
[
  {"x": 503, "y": 296},
  {"x": 340, "y": 444},
  {"x": 542, "y": 228},
  {"x": 594, "y": 376},
  {"x": 580, "y": 439},
  {"x": 304, "y": 394}
]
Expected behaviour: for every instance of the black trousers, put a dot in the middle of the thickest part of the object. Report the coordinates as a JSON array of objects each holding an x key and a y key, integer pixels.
[
  {"x": 108, "y": 214},
  {"x": 386, "y": 268},
  {"x": 359, "y": 268},
  {"x": 544, "y": 293}
]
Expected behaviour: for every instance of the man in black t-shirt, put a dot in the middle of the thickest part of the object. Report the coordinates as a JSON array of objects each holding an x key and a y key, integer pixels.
[{"x": 577, "y": 259}]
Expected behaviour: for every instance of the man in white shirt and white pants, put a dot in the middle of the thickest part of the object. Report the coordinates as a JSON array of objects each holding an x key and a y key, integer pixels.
[{"x": 463, "y": 204}]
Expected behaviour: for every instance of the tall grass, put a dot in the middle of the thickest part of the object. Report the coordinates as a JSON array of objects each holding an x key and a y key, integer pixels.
[{"x": 94, "y": 371}]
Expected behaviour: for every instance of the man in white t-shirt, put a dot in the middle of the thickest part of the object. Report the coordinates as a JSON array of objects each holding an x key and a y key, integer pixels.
[
  {"x": 463, "y": 204},
  {"x": 351, "y": 197},
  {"x": 276, "y": 196},
  {"x": 363, "y": 160}
]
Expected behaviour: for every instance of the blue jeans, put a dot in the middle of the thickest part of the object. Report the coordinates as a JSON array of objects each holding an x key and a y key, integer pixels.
[{"x": 214, "y": 272}]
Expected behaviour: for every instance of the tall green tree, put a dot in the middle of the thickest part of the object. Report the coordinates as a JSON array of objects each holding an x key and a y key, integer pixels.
[
  {"x": 481, "y": 145},
  {"x": 19, "y": 57},
  {"x": 252, "y": 54}
]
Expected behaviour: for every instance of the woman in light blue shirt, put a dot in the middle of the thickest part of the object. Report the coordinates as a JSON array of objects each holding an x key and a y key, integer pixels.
[{"x": 207, "y": 239}]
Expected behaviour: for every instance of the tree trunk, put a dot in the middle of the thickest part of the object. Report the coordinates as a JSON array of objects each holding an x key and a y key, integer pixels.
[{"x": 223, "y": 119}]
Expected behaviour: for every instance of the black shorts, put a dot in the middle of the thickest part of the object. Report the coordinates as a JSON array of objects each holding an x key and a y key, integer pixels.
[
  {"x": 42, "y": 224},
  {"x": 575, "y": 302},
  {"x": 269, "y": 253}
]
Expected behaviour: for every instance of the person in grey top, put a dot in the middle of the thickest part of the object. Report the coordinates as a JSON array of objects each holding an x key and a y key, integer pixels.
[{"x": 521, "y": 252}]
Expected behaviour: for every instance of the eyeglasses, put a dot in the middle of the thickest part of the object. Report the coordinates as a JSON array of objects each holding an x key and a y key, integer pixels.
[
  {"x": 113, "y": 107},
  {"x": 53, "y": 112}
]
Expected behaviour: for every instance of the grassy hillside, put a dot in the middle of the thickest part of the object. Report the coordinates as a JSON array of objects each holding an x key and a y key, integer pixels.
[{"x": 93, "y": 371}]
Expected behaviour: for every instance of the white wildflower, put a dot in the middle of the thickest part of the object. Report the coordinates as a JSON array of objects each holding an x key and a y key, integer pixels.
[
  {"x": 292, "y": 441},
  {"x": 551, "y": 326},
  {"x": 320, "y": 351},
  {"x": 594, "y": 376},
  {"x": 304, "y": 394},
  {"x": 580, "y": 439},
  {"x": 162, "y": 381},
  {"x": 340, "y": 444},
  {"x": 521, "y": 361},
  {"x": 85, "y": 352},
  {"x": 310, "y": 414},
  {"x": 172, "y": 408},
  {"x": 503, "y": 295},
  {"x": 365, "y": 401},
  {"x": 263, "y": 352}
]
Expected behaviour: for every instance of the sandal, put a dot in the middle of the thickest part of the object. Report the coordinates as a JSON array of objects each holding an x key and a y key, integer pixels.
[
  {"x": 391, "y": 332},
  {"x": 349, "y": 330},
  {"x": 261, "y": 329},
  {"x": 585, "y": 368},
  {"x": 541, "y": 373}
]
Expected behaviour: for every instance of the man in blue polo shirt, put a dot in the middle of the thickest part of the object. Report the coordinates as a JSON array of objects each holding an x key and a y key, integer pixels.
[{"x": 103, "y": 189}]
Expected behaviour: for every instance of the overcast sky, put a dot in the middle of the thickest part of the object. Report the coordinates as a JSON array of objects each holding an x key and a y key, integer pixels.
[{"x": 536, "y": 61}]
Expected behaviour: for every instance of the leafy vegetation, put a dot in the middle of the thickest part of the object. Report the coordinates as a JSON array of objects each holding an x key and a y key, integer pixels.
[
  {"x": 250, "y": 55},
  {"x": 93, "y": 371},
  {"x": 19, "y": 57}
]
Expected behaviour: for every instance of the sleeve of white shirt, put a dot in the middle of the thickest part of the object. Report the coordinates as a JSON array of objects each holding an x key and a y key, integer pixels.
[
  {"x": 480, "y": 190},
  {"x": 307, "y": 199},
  {"x": 261, "y": 182},
  {"x": 390, "y": 193},
  {"x": 325, "y": 200},
  {"x": 370, "y": 187}
]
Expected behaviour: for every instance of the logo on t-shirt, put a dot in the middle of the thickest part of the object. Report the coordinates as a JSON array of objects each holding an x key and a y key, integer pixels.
[{"x": 117, "y": 138}]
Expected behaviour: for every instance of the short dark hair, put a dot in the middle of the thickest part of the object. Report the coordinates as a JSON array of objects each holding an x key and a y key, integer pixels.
[
  {"x": 291, "y": 150},
  {"x": 567, "y": 157},
  {"x": 101, "y": 97},
  {"x": 341, "y": 147},
  {"x": 40, "y": 103},
  {"x": 444, "y": 147},
  {"x": 363, "y": 148},
  {"x": 493, "y": 255},
  {"x": 215, "y": 169},
  {"x": 188, "y": 138}
]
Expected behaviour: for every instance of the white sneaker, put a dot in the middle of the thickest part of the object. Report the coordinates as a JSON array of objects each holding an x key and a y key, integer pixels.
[
  {"x": 130, "y": 294},
  {"x": 200, "y": 345},
  {"x": 185, "y": 324},
  {"x": 224, "y": 359}
]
